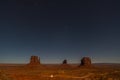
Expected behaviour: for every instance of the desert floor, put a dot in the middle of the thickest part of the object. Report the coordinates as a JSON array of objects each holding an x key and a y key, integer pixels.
[{"x": 59, "y": 72}]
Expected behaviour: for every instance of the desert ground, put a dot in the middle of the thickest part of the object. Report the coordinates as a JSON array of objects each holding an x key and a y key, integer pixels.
[{"x": 59, "y": 72}]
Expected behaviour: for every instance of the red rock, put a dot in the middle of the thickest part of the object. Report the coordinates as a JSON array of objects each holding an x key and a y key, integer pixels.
[
  {"x": 85, "y": 61},
  {"x": 34, "y": 60}
]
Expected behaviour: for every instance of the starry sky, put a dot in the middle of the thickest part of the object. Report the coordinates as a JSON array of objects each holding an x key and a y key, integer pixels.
[{"x": 59, "y": 29}]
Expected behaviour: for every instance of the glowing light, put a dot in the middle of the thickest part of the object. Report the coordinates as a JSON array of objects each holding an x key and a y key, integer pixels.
[{"x": 51, "y": 76}]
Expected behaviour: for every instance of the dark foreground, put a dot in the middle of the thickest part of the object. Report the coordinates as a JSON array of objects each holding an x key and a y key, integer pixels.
[{"x": 59, "y": 72}]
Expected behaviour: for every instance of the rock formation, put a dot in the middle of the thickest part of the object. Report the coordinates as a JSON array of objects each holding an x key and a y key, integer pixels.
[
  {"x": 65, "y": 65},
  {"x": 34, "y": 60},
  {"x": 85, "y": 61},
  {"x": 64, "y": 61}
]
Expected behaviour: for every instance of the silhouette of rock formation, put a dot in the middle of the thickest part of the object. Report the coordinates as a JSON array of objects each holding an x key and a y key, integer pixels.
[
  {"x": 34, "y": 60},
  {"x": 64, "y": 65},
  {"x": 85, "y": 61},
  {"x": 64, "y": 61}
]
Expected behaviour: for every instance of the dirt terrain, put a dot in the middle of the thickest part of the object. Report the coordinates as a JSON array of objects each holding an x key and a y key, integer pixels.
[{"x": 59, "y": 72}]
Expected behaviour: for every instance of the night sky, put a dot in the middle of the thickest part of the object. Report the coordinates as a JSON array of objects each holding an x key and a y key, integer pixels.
[{"x": 59, "y": 29}]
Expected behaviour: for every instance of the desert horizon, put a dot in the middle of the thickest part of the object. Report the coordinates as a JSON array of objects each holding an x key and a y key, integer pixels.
[
  {"x": 59, "y": 40},
  {"x": 35, "y": 70}
]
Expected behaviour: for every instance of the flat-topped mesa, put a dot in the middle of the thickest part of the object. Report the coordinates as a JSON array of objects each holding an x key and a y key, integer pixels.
[
  {"x": 34, "y": 60},
  {"x": 85, "y": 61}
]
